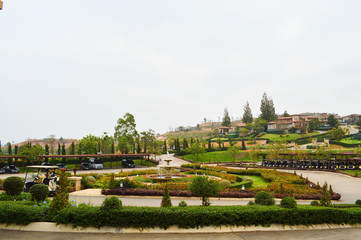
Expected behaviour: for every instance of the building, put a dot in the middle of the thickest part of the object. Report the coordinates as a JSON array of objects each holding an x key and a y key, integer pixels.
[{"x": 298, "y": 122}]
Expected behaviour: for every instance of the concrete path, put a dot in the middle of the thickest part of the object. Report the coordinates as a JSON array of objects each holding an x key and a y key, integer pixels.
[
  {"x": 349, "y": 187},
  {"x": 339, "y": 234}
]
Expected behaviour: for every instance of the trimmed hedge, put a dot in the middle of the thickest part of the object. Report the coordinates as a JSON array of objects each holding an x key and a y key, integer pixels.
[
  {"x": 21, "y": 214},
  {"x": 13, "y": 185},
  {"x": 195, "y": 217}
]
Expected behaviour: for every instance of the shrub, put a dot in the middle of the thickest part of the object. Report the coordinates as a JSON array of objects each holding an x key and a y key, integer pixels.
[
  {"x": 288, "y": 202},
  {"x": 5, "y": 197},
  {"x": 13, "y": 185},
  {"x": 182, "y": 204},
  {"x": 358, "y": 202},
  {"x": 111, "y": 203},
  {"x": 225, "y": 184},
  {"x": 204, "y": 188},
  {"x": 315, "y": 203},
  {"x": 325, "y": 199},
  {"x": 166, "y": 202},
  {"x": 90, "y": 180},
  {"x": 99, "y": 176},
  {"x": 112, "y": 183},
  {"x": 264, "y": 198},
  {"x": 61, "y": 199},
  {"x": 39, "y": 192},
  {"x": 250, "y": 203}
]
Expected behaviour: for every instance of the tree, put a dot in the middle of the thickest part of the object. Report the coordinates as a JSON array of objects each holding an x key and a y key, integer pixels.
[
  {"x": 196, "y": 149},
  {"x": 155, "y": 148},
  {"x": 147, "y": 138},
  {"x": 166, "y": 201},
  {"x": 165, "y": 146},
  {"x": 234, "y": 152},
  {"x": 106, "y": 143},
  {"x": 226, "y": 119},
  {"x": 268, "y": 111},
  {"x": 337, "y": 133},
  {"x": 259, "y": 125},
  {"x": 332, "y": 121},
  {"x": 72, "y": 149},
  {"x": 88, "y": 145},
  {"x": 185, "y": 143},
  {"x": 358, "y": 123},
  {"x": 9, "y": 148},
  {"x": 51, "y": 139},
  {"x": 31, "y": 152},
  {"x": 285, "y": 114},
  {"x": 16, "y": 150},
  {"x": 204, "y": 188},
  {"x": 247, "y": 114},
  {"x": 63, "y": 151},
  {"x": 125, "y": 132},
  {"x": 314, "y": 124},
  {"x": 59, "y": 149}
]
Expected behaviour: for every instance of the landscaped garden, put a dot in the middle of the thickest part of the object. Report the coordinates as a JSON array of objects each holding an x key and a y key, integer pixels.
[{"x": 17, "y": 207}]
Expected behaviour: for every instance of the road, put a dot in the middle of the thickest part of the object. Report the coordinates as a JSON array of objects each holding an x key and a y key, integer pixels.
[{"x": 339, "y": 234}]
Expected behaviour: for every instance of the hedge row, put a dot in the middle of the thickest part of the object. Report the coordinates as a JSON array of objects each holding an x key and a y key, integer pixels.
[
  {"x": 21, "y": 214},
  {"x": 195, "y": 217}
]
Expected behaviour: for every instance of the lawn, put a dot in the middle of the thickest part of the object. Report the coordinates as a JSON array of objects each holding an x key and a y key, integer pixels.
[
  {"x": 221, "y": 156},
  {"x": 147, "y": 180},
  {"x": 291, "y": 136},
  {"x": 352, "y": 172},
  {"x": 258, "y": 181},
  {"x": 350, "y": 140}
]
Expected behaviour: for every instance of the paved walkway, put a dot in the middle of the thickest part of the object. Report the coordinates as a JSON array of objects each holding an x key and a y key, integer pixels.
[{"x": 339, "y": 234}]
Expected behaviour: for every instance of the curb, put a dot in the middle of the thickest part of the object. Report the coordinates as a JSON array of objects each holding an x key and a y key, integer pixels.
[{"x": 53, "y": 227}]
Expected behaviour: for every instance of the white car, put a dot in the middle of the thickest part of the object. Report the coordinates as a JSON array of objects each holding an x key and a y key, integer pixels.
[{"x": 95, "y": 163}]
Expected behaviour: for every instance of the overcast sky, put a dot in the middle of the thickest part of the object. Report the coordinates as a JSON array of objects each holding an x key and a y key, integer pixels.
[{"x": 72, "y": 68}]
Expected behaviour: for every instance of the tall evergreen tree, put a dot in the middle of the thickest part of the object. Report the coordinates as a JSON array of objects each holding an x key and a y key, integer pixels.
[
  {"x": 285, "y": 114},
  {"x": 268, "y": 111},
  {"x": 46, "y": 149},
  {"x": 16, "y": 148},
  {"x": 165, "y": 146},
  {"x": 72, "y": 149},
  {"x": 59, "y": 149},
  {"x": 112, "y": 150},
  {"x": 63, "y": 151},
  {"x": 226, "y": 121},
  {"x": 247, "y": 114},
  {"x": 209, "y": 145},
  {"x": 185, "y": 143},
  {"x": 9, "y": 148}
]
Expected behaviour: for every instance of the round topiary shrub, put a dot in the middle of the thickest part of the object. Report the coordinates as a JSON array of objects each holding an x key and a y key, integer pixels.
[
  {"x": 224, "y": 172},
  {"x": 99, "y": 176},
  {"x": 250, "y": 203},
  {"x": 182, "y": 204},
  {"x": 112, "y": 203},
  {"x": 264, "y": 198},
  {"x": 315, "y": 203},
  {"x": 39, "y": 192},
  {"x": 13, "y": 185},
  {"x": 90, "y": 180},
  {"x": 225, "y": 184},
  {"x": 358, "y": 202},
  {"x": 288, "y": 202}
]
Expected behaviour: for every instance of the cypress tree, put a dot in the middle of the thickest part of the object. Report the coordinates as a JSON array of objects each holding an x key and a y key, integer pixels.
[
  {"x": 268, "y": 111},
  {"x": 226, "y": 122},
  {"x": 72, "y": 148},
  {"x": 138, "y": 147},
  {"x": 59, "y": 149},
  {"x": 247, "y": 114},
  {"x": 112, "y": 150},
  {"x": 46, "y": 152},
  {"x": 166, "y": 201},
  {"x": 63, "y": 152},
  {"x": 185, "y": 143},
  {"x": 16, "y": 148},
  {"x": 243, "y": 145},
  {"x": 9, "y": 149},
  {"x": 209, "y": 145},
  {"x": 165, "y": 146}
]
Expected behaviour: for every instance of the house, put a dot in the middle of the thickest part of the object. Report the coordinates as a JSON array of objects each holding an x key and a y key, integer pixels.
[
  {"x": 227, "y": 130},
  {"x": 299, "y": 122},
  {"x": 350, "y": 119}
]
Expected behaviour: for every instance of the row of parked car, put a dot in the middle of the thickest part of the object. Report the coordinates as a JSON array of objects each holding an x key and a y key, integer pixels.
[
  {"x": 306, "y": 164},
  {"x": 93, "y": 163}
]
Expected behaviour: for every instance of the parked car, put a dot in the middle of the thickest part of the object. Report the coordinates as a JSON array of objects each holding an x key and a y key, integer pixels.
[
  {"x": 61, "y": 166},
  {"x": 127, "y": 163},
  {"x": 11, "y": 169},
  {"x": 2, "y": 170},
  {"x": 84, "y": 166},
  {"x": 95, "y": 163}
]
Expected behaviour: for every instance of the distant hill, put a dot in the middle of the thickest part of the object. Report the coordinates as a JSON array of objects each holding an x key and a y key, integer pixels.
[{"x": 42, "y": 142}]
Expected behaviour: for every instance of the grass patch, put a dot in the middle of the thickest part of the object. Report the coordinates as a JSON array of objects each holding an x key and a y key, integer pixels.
[
  {"x": 286, "y": 137},
  {"x": 350, "y": 140},
  {"x": 220, "y": 156},
  {"x": 179, "y": 180}
]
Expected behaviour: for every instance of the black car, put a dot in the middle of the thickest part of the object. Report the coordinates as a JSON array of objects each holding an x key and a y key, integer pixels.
[
  {"x": 85, "y": 166},
  {"x": 11, "y": 169},
  {"x": 2, "y": 170},
  {"x": 61, "y": 166},
  {"x": 127, "y": 163}
]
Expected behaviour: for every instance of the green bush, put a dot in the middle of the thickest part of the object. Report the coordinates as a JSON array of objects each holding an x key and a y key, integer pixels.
[
  {"x": 196, "y": 216},
  {"x": 358, "y": 202},
  {"x": 204, "y": 188},
  {"x": 21, "y": 214},
  {"x": 182, "y": 204},
  {"x": 99, "y": 176},
  {"x": 264, "y": 198},
  {"x": 5, "y": 197},
  {"x": 90, "y": 180},
  {"x": 288, "y": 202},
  {"x": 110, "y": 204},
  {"x": 166, "y": 202},
  {"x": 13, "y": 185},
  {"x": 225, "y": 184},
  {"x": 39, "y": 192},
  {"x": 315, "y": 203},
  {"x": 250, "y": 203}
]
